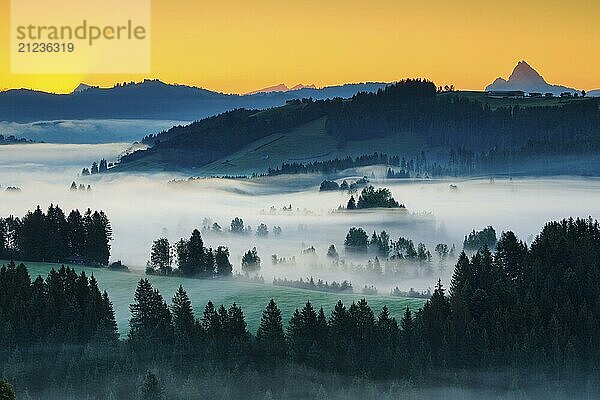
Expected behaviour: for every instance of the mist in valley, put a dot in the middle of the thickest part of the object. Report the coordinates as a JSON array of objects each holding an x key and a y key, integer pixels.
[{"x": 145, "y": 207}]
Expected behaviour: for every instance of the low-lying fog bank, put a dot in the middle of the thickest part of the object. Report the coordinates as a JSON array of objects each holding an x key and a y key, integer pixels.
[
  {"x": 87, "y": 130},
  {"x": 142, "y": 208}
]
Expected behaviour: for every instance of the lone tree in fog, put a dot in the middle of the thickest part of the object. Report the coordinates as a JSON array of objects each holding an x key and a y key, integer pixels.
[
  {"x": 351, "y": 204},
  {"x": 442, "y": 250},
  {"x": 262, "y": 230},
  {"x": 160, "y": 256},
  {"x": 332, "y": 253},
  {"x": 251, "y": 261},
  {"x": 223, "y": 266},
  {"x": 237, "y": 225}
]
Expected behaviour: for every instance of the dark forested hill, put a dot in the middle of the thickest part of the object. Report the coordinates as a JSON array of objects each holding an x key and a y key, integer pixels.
[
  {"x": 150, "y": 99},
  {"x": 411, "y": 110}
]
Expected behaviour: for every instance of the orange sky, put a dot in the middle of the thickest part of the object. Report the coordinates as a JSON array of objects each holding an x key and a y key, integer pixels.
[{"x": 237, "y": 46}]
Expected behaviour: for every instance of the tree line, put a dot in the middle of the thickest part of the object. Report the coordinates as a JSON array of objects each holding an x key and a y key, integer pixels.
[
  {"x": 319, "y": 285},
  {"x": 55, "y": 237}
]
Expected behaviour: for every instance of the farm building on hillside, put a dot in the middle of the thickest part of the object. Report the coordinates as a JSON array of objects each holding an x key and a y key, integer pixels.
[{"x": 506, "y": 94}]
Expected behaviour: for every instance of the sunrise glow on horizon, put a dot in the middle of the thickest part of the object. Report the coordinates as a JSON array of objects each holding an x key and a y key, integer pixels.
[{"x": 235, "y": 47}]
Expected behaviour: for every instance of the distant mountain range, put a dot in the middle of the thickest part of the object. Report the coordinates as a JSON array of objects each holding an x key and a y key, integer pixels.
[
  {"x": 282, "y": 87},
  {"x": 527, "y": 79},
  {"x": 153, "y": 99}
]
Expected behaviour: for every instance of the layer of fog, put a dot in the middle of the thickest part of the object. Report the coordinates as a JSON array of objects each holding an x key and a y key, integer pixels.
[
  {"x": 87, "y": 130},
  {"x": 145, "y": 207}
]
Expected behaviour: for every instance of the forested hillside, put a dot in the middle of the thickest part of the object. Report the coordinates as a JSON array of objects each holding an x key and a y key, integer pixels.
[{"x": 411, "y": 108}]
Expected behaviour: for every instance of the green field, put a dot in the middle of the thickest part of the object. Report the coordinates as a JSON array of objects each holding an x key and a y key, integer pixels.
[
  {"x": 250, "y": 296},
  {"x": 307, "y": 143}
]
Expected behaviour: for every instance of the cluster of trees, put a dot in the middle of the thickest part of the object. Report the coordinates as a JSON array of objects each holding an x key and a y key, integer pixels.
[
  {"x": 521, "y": 308},
  {"x": 251, "y": 261},
  {"x": 357, "y": 241},
  {"x": 411, "y": 293},
  {"x": 81, "y": 187},
  {"x": 12, "y": 139},
  {"x": 237, "y": 227},
  {"x": 328, "y": 185},
  {"x": 417, "y": 167},
  {"x": 477, "y": 239},
  {"x": 319, "y": 285},
  {"x": 63, "y": 309},
  {"x": 55, "y": 237},
  {"x": 371, "y": 198},
  {"x": 192, "y": 258},
  {"x": 392, "y": 174},
  {"x": 96, "y": 168},
  {"x": 335, "y": 165}
]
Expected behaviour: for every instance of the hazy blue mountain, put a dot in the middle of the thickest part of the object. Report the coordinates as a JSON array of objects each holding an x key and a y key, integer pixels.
[
  {"x": 150, "y": 99},
  {"x": 594, "y": 93},
  {"x": 282, "y": 87},
  {"x": 527, "y": 79},
  {"x": 87, "y": 130}
]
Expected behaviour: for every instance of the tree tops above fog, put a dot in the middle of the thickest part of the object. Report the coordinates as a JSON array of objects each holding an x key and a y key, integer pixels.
[
  {"x": 476, "y": 240},
  {"x": 192, "y": 258},
  {"x": 373, "y": 198}
]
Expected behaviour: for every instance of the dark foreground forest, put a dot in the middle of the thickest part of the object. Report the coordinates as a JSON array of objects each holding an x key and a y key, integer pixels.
[{"x": 518, "y": 323}]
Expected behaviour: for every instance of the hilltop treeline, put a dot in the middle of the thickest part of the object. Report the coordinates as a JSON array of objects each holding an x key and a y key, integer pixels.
[
  {"x": 56, "y": 237},
  {"x": 337, "y": 164},
  {"x": 408, "y": 108},
  {"x": 519, "y": 311},
  {"x": 412, "y": 107}
]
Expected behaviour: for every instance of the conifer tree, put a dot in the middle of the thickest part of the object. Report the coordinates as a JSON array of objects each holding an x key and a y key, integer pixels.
[
  {"x": 270, "y": 338},
  {"x": 151, "y": 389},
  {"x": 223, "y": 267},
  {"x": 183, "y": 318}
]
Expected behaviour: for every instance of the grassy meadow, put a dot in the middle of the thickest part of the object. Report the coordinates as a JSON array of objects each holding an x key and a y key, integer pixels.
[{"x": 252, "y": 297}]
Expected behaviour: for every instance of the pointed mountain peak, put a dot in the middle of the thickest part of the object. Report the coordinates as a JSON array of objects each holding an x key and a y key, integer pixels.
[
  {"x": 528, "y": 80},
  {"x": 524, "y": 73}
]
